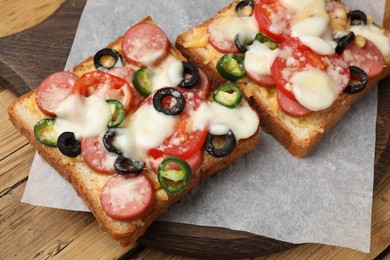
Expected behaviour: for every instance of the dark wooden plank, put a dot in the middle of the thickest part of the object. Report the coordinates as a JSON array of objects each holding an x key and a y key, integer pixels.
[{"x": 28, "y": 57}]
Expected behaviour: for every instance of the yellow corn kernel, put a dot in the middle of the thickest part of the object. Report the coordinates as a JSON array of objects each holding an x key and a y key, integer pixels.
[
  {"x": 360, "y": 41},
  {"x": 370, "y": 19},
  {"x": 161, "y": 195}
]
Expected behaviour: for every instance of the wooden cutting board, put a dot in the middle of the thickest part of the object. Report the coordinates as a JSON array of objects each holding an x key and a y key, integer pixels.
[{"x": 28, "y": 57}]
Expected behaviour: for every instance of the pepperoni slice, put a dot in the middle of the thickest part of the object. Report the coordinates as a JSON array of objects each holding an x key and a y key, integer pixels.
[
  {"x": 127, "y": 74},
  {"x": 96, "y": 156},
  {"x": 291, "y": 107},
  {"x": 261, "y": 80},
  {"x": 369, "y": 58},
  {"x": 127, "y": 197},
  {"x": 53, "y": 90},
  {"x": 202, "y": 88},
  {"x": 145, "y": 44},
  {"x": 219, "y": 41}
]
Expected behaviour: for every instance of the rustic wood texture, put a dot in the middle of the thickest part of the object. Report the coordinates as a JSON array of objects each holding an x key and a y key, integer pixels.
[{"x": 35, "y": 232}]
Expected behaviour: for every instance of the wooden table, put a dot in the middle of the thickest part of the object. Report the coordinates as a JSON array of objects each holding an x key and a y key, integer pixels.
[{"x": 28, "y": 232}]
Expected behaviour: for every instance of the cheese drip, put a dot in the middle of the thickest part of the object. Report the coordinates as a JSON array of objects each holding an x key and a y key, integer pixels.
[
  {"x": 243, "y": 121},
  {"x": 147, "y": 129},
  {"x": 229, "y": 26},
  {"x": 168, "y": 73},
  {"x": 311, "y": 17},
  {"x": 85, "y": 116},
  {"x": 259, "y": 58},
  {"x": 314, "y": 89},
  {"x": 376, "y": 35}
]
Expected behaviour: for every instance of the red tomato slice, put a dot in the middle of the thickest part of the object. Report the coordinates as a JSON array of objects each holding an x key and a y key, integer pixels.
[
  {"x": 294, "y": 56},
  {"x": 182, "y": 143},
  {"x": 291, "y": 107},
  {"x": 53, "y": 90},
  {"x": 369, "y": 58},
  {"x": 106, "y": 86},
  {"x": 274, "y": 19},
  {"x": 96, "y": 156},
  {"x": 145, "y": 44},
  {"x": 127, "y": 197},
  {"x": 126, "y": 73},
  {"x": 219, "y": 41}
]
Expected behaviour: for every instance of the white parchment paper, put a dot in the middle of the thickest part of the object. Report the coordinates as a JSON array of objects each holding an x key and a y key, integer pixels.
[{"x": 323, "y": 198}]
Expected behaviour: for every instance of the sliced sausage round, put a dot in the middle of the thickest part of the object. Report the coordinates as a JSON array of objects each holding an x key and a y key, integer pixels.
[
  {"x": 202, "y": 88},
  {"x": 145, "y": 45},
  {"x": 127, "y": 197},
  {"x": 291, "y": 107},
  {"x": 369, "y": 58},
  {"x": 261, "y": 80},
  {"x": 219, "y": 41},
  {"x": 53, "y": 90},
  {"x": 96, "y": 156}
]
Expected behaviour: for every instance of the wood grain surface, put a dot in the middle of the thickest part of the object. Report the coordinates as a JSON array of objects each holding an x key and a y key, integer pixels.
[{"x": 35, "y": 232}]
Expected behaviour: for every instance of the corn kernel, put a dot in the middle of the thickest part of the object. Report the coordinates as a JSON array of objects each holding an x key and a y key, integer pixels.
[{"x": 360, "y": 41}]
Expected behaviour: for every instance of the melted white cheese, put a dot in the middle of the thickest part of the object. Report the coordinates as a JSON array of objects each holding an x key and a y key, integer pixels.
[
  {"x": 311, "y": 17},
  {"x": 168, "y": 73},
  {"x": 317, "y": 44},
  {"x": 374, "y": 34},
  {"x": 314, "y": 89},
  {"x": 227, "y": 27},
  {"x": 85, "y": 116},
  {"x": 147, "y": 129},
  {"x": 243, "y": 121},
  {"x": 259, "y": 58}
]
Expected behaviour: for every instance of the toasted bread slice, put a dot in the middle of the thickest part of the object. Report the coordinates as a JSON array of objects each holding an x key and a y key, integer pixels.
[
  {"x": 297, "y": 134},
  {"x": 24, "y": 114}
]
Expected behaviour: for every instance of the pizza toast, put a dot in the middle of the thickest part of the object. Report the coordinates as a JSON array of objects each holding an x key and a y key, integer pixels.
[
  {"x": 98, "y": 183},
  {"x": 294, "y": 126}
]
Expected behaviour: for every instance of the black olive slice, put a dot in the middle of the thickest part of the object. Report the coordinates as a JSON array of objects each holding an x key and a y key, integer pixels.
[
  {"x": 107, "y": 141},
  {"x": 361, "y": 82},
  {"x": 241, "y": 8},
  {"x": 344, "y": 41},
  {"x": 124, "y": 165},
  {"x": 226, "y": 149},
  {"x": 242, "y": 44},
  {"x": 176, "y": 108},
  {"x": 106, "y": 52},
  {"x": 190, "y": 75},
  {"x": 68, "y": 144},
  {"x": 357, "y": 17}
]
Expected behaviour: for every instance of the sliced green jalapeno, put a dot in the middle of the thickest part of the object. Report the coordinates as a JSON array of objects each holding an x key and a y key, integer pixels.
[
  {"x": 231, "y": 67},
  {"x": 267, "y": 41},
  {"x": 117, "y": 113},
  {"x": 44, "y": 132},
  {"x": 174, "y": 174},
  {"x": 142, "y": 81},
  {"x": 228, "y": 95}
]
